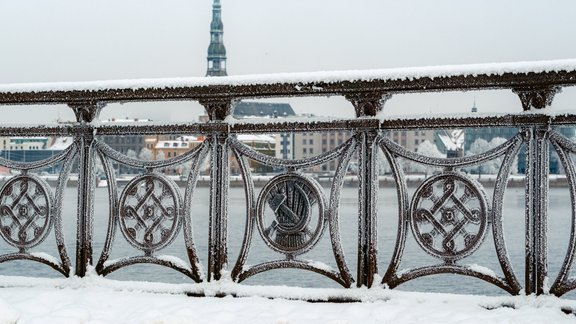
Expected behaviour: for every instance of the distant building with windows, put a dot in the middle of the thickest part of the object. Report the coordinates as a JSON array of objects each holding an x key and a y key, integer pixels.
[
  {"x": 24, "y": 143},
  {"x": 125, "y": 143},
  {"x": 489, "y": 133},
  {"x": 247, "y": 109},
  {"x": 411, "y": 139},
  {"x": 30, "y": 149}
]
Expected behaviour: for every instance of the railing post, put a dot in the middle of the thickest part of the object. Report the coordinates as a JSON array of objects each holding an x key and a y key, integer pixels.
[
  {"x": 367, "y": 105},
  {"x": 85, "y": 112},
  {"x": 367, "y": 200},
  {"x": 537, "y": 161},
  {"x": 218, "y": 110},
  {"x": 536, "y": 209}
]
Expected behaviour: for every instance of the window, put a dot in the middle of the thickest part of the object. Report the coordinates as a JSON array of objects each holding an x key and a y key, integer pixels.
[
  {"x": 304, "y": 141},
  {"x": 169, "y": 154},
  {"x": 311, "y": 150},
  {"x": 311, "y": 141},
  {"x": 415, "y": 142},
  {"x": 304, "y": 150}
]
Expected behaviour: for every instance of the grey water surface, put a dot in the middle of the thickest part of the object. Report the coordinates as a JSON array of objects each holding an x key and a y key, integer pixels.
[{"x": 413, "y": 256}]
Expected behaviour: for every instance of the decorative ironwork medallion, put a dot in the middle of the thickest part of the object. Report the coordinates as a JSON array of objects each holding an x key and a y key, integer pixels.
[
  {"x": 149, "y": 212},
  {"x": 25, "y": 218},
  {"x": 449, "y": 215},
  {"x": 286, "y": 215}
]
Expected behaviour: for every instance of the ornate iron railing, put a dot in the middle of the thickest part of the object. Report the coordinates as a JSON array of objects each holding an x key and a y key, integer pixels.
[{"x": 449, "y": 214}]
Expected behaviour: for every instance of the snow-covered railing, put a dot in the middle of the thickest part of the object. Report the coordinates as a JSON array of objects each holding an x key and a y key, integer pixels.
[{"x": 449, "y": 214}]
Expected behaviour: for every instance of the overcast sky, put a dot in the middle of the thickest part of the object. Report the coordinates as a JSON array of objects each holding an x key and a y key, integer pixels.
[{"x": 76, "y": 40}]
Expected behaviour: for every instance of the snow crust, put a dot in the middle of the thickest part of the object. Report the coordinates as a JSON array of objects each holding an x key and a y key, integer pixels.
[
  {"x": 483, "y": 270},
  {"x": 45, "y": 256},
  {"x": 97, "y": 300},
  {"x": 409, "y": 73}
]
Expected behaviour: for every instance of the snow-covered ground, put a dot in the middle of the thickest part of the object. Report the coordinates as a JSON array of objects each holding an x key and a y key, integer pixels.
[{"x": 98, "y": 300}]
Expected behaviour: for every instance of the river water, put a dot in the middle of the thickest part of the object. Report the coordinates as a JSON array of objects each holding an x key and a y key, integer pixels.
[{"x": 559, "y": 229}]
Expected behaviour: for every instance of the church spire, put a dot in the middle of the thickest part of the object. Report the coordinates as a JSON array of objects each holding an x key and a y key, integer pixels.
[
  {"x": 216, "y": 50},
  {"x": 474, "y": 109}
]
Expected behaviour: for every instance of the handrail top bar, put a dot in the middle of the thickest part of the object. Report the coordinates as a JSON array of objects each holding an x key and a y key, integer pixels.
[{"x": 537, "y": 74}]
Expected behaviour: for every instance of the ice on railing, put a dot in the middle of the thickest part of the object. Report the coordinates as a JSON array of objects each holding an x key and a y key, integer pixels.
[
  {"x": 174, "y": 260},
  {"x": 409, "y": 73},
  {"x": 45, "y": 256},
  {"x": 320, "y": 265},
  {"x": 481, "y": 269}
]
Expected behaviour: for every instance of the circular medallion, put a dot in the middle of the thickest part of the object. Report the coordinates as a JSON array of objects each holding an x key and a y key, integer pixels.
[
  {"x": 25, "y": 206},
  {"x": 290, "y": 214},
  {"x": 149, "y": 212},
  {"x": 449, "y": 215}
]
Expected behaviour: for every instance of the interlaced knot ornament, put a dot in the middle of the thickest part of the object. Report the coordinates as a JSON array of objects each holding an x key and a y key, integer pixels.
[
  {"x": 149, "y": 212},
  {"x": 449, "y": 215},
  {"x": 25, "y": 217},
  {"x": 286, "y": 218}
]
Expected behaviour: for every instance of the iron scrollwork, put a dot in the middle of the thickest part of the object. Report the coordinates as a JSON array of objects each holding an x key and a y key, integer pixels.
[
  {"x": 149, "y": 212},
  {"x": 25, "y": 211},
  {"x": 449, "y": 216},
  {"x": 30, "y": 210}
]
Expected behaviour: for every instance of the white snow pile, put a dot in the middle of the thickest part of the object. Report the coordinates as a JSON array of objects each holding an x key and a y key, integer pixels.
[{"x": 98, "y": 300}]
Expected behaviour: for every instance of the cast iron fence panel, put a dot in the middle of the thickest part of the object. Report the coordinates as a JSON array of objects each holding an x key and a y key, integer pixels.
[
  {"x": 564, "y": 147},
  {"x": 449, "y": 215},
  {"x": 299, "y": 213},
  {"x": 30, "y": 211},
  {"x": 150, "y": 212}
]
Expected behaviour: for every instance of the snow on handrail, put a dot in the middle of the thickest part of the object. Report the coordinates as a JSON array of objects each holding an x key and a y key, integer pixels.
[{"x": 398, "y": 80}]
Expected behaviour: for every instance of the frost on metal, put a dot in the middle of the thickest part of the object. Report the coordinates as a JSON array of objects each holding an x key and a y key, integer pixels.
[
  {"x": 150, "y": 212},
  {"x": 449, "y": 216},
  {"x": 291, "y": 213},
  {"x": 30, "y": 211}
]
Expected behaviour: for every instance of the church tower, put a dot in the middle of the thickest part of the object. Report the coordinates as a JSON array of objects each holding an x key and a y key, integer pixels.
[
  {"x": 216, "y": 50},
  {"x": 474, "y": 109}
]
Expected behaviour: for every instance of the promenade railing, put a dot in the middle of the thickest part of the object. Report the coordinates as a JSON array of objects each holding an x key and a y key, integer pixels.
[{"x": 449, "y": 215}]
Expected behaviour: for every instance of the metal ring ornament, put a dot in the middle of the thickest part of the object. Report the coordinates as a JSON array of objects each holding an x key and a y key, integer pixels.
[
  {"x": 25, "y": 211},
  {"x": 449, "y": 215},
  {"x": 150, "y": 212},
  {"x": 293, "y": 228}
]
